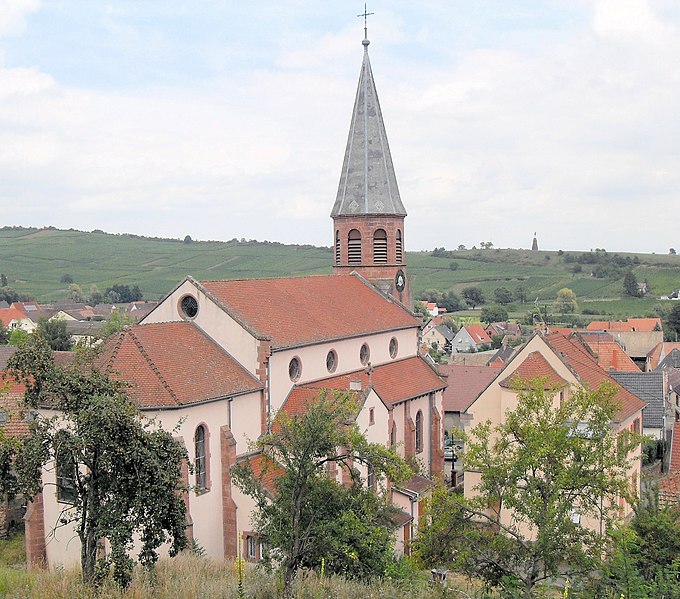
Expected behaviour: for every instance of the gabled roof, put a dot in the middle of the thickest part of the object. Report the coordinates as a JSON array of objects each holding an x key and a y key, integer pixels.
[
  {"x": 394, "y": 382},
  {"x": 368, "y": 184},
  {"x": 477, "y": 333},
  {"x": 13, "y": 408},
  {"x": 465, "y": 384},
  {"x": 659, "y": 352},
  {"x": 532, "y": 367},
  {"x": 611, "y": 356},
  {"x": 294, "y": 311},
  {"x": 446, "y": 332},
  {"x": 650, "y": 388},
  {"x": 300, "y": 398},
  {"x": 7, "y": 315},
  {"x": 174, "y": 364},
  {"x": 575, "y": 355}
]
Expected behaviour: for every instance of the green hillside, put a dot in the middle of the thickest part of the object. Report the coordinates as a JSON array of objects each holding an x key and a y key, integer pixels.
[{"x": 35, "y": 260}]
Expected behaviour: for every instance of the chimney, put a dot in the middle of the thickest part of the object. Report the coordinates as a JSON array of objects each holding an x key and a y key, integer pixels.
[{"x": 355, "y": 385}]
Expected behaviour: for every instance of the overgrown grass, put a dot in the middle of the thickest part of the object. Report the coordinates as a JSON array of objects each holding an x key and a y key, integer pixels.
[{"x": 192, "y": 576}]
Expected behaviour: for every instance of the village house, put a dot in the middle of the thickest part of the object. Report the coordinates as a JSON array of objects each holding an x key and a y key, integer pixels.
[
  {"x": 219, "y": 360},
  {"x": 565, "y": 363},
  {"x": 471, "y": 337}
]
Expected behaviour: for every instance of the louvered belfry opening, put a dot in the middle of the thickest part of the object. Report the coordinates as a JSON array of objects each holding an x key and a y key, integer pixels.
[
  {"x": 354, "y": 247},
  {"x": 337, "y": 247},
  {"x": 399, "y": 247},
  {"x": 380, "y": 246}
]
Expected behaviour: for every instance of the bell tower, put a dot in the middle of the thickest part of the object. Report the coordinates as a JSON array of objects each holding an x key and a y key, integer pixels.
[{"x": 368, "y": 215}]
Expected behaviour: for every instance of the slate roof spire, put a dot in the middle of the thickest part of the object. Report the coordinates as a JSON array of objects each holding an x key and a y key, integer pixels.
[{"x": 368, "y": 184}]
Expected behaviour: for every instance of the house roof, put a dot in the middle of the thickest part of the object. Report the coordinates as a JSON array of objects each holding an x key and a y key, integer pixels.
[
  {"x": 465, "y": 384},
  {"x": 292, "y": 311},
  {"x": 611, "y": 356},
  {"x": 650, "y": 388},
  {"x": 672, "y": 360},
  {"x": 266, "y": 471},
  {"x": 502, "y": 356},
  {"x": 7, "y": 315},
  {"x": 300, "y": 398},
  {"x": 574, "y": 353},
  {"x": 660, "y": 351},
  {"x": 534, "y": 366},
  {"x": 12, "y": 404},
  {"x": 368, "y": 184},
  {"x": 394, "y": 382},
  {"x": 417, "y": 483},
  {"x": 174, "y": 364},
  {"x": 669, "y": 485},
  {"x": 61, "y": 358},
  {"x": 446, "y": 332},
  {"x": 478, "y": 334},
  {"x": 640, "y": 325}
]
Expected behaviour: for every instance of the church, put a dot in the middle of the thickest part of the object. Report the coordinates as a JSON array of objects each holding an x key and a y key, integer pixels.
[{"x": 219, "y": 359}]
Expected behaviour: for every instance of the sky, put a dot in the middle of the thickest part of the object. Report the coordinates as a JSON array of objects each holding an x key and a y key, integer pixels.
[{"x": 223, "y": 119}]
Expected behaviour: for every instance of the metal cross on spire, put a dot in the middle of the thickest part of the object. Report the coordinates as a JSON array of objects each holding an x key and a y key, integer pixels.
[{"x": 365, "y": 14}]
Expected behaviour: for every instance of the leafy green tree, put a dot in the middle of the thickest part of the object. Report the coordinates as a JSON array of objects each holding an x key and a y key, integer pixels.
[
  {"x": 55, "y": 334},
  {"x": 96, "y": 296},
  {"x": 502, "y": 295},
  {"x": 521, "y": 294},
  {"x": 123, "y": 293},
  {"x": 4, "y": 334},
  {"x": 76, "y": 293},
  {"x": 66, "y": 278},
  {"x": 115, "y": 323},
  {"x": 126, "y": 472},
  {"x": 545, "y": 466},
  {"x": 421, "y": 308},
  {"x": 565, "y": 302},
  {"x": 310, "y": 516},
  {"x": 474, "y": 296},
  {"x": 673, "y": 321},
  {"x": 672, "y": 251},
  {"x": 17, "y": 337},
  {"x": 494, "y": 314},
  {"x": 3, "y": 280},
  {"x": 630, "y": 284},
  {"x": 450, "y": 301}
]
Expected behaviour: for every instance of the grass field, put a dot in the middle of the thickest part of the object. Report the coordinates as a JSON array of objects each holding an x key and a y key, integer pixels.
[{"x": 34, "y": 260}]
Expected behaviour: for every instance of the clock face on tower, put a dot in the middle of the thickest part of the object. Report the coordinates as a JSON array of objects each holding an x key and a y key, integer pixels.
[{"x": 400, "y": 281}]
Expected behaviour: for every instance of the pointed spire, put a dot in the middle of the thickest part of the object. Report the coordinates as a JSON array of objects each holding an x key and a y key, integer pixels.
[{"x": 368, "y": 184}]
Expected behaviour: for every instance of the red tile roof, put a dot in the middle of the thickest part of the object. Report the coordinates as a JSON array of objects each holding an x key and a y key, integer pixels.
[
  {"x": 300, "y": 398},
  {"x": 294, "y": 311},
  {"x": 640, "y": 325},
  {"x": 266, "y": 471},
  {"x": 534, "y": 366},
  {"x": 7, "y": 315},
  {"x": 394, "y": 382},
  {"x": 478, "y": 334},
  {"x": 174, "y": 364},
  {"x": 574, "y": 353},
  {"x": 12, "y": 403},
  {"x": 674, "y": 465},
  {"x": 465, "y": 384},
  {"x": 610, "y": 356},
  {"x": 669, "y": 485},
  {"x": 660, "y": 351}
]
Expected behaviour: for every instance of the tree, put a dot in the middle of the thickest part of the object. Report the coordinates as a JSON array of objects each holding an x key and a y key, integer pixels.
[
  {"x": 672, "y": 251},
  {"x": 450, "y": 301},
  {"x": 548, "y": 465},
  {"x": 17, "y": 337},
  {"x": 120, "y": 472},
  {"x": 115, "y": 323},
  {"x": 502, "y": 295},
  {"x": 493, "y": 314},
  {"x": 309, "y": 516},
  {"x": 123, "y": 294},
  {"x": 96, "y": 296},
  {"x": 55, "y": 334},
  {"x": 4, "y": 334},
  {"x": 673, "y": 322},
  {"x": 66, "y": 278},
  {"x": 421, "y": 308},
  {"x": 461, "y": 247},
  {"x": 473, "y": 296},
  {"x": 3, "y": 280},
  {"x": 188, "y": 240},
  {"x": 630, "y": 284},
  {"x": 521, "y": 294},
  {"x": 565, "y": 302},
  {"x": 76, "y": 293}
]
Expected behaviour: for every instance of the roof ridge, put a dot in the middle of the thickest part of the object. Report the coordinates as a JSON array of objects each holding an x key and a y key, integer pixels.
[{"x": 153, "y": 367}]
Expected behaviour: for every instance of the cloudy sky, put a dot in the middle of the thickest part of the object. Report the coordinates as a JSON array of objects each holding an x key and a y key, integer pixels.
[{"x": 223, "y": 119}]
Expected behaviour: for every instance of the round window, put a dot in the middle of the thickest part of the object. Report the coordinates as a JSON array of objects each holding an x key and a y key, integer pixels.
[
  {"x": 189, "y": 306},
  {"x": 294, "y": 369},
  {"x": 331, "y": 361},
  {"x": 394, "y": 347},
  {"x": 364, "y": 354}
]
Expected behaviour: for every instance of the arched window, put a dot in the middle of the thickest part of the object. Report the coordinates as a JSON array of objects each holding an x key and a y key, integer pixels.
[
  {"x": 399, "y": 247},
  {"x": 354, "y": 247},
  {"x": 337, "y": 247},
  {"x": 380, "y": 246},
  {"x": 199, "y": 464},
  {"x": 419, "y": 431}
]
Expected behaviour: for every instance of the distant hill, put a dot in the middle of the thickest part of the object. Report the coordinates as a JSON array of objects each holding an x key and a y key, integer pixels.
[{"x": 35, "y": 260}]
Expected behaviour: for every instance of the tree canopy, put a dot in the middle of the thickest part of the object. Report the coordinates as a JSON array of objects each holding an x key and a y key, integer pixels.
[
  {"x": 630, "y": 284},
  {"x": 55, "y": 334},
  {"x": 473, "y": 296},
  {"x": 309, "y": 516},
  {"x": 120, "y": 471},
  {"x": 565, "y": 302},
  {"x": 548, "y": 466},
  {"x": 494, "y": 314}
]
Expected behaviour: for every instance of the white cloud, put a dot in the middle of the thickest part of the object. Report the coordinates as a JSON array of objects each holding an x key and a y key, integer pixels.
[{"x": 13, "y": 14}]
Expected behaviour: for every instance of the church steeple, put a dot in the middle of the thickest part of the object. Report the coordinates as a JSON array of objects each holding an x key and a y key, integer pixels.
[{"x": 368, "y": 215}]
